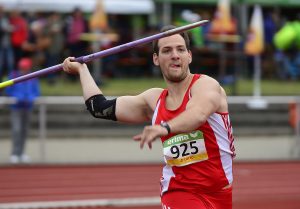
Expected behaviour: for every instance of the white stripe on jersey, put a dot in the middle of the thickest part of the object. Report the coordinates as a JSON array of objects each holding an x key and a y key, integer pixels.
[
  {"x": 165, "y": 207},
  {"x": 155, "y": 112},
  {"x": 167, "y": 170},
  {"x": 166, "y": 178},
  {"x": 219, "y": 128}
]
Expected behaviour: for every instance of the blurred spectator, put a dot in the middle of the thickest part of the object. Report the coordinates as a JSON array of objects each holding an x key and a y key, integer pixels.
[
  {"x": 288, "y": 63},
  {"x": 269, "y": 29},
  {"x": 25, "y": 93},
  {"x": 287, "y": 43},
  {"x": 54, "y": 28},
  {"x": 19, "y": 34},
  {"x": 75, "y": 26},
  {"x": 6, "y": 51},
  {"x": 37, "y": 43}
]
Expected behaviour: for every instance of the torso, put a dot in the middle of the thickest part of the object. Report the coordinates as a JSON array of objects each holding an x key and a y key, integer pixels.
[{"x": 192, "y": 158}]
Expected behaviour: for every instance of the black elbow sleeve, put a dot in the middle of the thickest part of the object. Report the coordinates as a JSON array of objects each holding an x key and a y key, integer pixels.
[{"x": 100, "y": 107}]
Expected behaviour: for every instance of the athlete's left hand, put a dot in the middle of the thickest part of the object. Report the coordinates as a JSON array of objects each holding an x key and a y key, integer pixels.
[{"x": 149, "y": 134}]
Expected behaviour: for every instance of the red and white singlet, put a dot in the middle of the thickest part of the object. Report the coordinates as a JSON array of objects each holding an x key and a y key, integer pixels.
[{"x": 199, "y": 161}]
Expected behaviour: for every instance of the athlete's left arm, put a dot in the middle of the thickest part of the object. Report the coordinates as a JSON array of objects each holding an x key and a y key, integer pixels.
[{"x": 206, "y": 97}]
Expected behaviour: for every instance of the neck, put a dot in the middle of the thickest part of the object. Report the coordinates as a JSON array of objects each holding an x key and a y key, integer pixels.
[{"x": 176, "y": 89}]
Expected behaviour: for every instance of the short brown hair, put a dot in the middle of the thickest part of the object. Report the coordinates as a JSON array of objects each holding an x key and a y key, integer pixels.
[{"x": 184, "y": 35}]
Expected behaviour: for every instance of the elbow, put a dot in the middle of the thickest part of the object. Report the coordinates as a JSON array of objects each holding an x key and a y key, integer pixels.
[
  {"x": 93, "y": 113},
  {"x": 201, "y": 118},
  {"x": 101, "y": 108}
]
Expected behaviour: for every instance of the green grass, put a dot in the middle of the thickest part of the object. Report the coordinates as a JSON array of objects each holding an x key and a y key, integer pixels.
[
  {"x": 112, "y": 87},
  {"x": 133, "y": 86},
  {"x": 268, "y": 88}
]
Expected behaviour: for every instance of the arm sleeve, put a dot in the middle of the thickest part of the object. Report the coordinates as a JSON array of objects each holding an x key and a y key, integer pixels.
[{"x": 100, "y": 107}]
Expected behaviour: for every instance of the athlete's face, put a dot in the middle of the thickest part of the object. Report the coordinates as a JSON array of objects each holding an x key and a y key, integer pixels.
[{"x": 173, "y": 58}]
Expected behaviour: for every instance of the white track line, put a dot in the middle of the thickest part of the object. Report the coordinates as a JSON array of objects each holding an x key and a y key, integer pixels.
[{"x": 122, "y": 202}]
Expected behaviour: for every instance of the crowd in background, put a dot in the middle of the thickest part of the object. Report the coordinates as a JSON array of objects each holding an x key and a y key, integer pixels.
[
  {"x": 47, "y": 38},
  {"x": 41, "y": 37}
]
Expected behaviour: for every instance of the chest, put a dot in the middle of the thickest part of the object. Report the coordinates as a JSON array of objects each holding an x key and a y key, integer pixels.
[{"x": 173, "y": 104}]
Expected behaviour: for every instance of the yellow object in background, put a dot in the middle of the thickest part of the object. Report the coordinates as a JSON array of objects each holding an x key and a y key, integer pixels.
[
  {"x": 222, "y": 22},
  {"x": 255, "y": 39},
  {"x": 98, "y": 19},
  {"x": 288, "y": 36}
]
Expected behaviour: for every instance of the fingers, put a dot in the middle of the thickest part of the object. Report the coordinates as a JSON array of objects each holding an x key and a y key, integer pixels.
[
  {"x": 72, "y": 59},
  {"x": 71, "y": 66},
  {"x": 150, "y": 133},
  {"x": 66, "y": 64},
  {"x": 137, "y": 137},
  {"x": 150, "y": 145},
  {"x": 141, "y": 139}
]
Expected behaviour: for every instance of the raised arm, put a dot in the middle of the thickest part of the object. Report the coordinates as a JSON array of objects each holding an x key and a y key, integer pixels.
[
  {"x": 88, "y": 85},
  {"x": 129, "y": 109}
]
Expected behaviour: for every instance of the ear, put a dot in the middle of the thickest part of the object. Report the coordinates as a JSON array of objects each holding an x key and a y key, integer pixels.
[
  {"x": 190, "y": 57},
  {"x": 155, "y": 59}
]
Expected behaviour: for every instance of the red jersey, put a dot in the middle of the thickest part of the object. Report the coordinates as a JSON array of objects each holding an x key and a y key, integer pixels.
[
  {"x": 20, "y": 34},
  {"x": 199, "y": 161}
]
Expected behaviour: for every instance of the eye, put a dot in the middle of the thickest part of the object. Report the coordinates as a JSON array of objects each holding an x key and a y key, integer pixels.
[
  {"x": 181, "y": 50},
  {"x": 166, "y": 51}
]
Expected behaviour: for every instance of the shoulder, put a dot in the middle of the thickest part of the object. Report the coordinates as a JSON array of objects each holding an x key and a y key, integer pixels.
[
  {"x": 207, "y": 78},
  {"x": 151, "y": 96},
  {"x": 146, "y": 99},
  {"x": 207, "y": 86},
  {"x": 206, "y": 83},
  {"x": 152, "y": 93}
]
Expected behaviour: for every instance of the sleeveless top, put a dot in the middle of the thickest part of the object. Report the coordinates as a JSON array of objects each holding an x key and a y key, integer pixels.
[{"x": 198, "y": 161}]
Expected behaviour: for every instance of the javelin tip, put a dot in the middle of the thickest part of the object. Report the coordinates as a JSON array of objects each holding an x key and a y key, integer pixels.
[
  {"x": 185, "y": 27},
  {"x": 6, "y": 84}
]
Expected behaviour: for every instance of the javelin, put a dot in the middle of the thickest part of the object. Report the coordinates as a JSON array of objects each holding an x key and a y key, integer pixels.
[{"x": 113, "y": 50}]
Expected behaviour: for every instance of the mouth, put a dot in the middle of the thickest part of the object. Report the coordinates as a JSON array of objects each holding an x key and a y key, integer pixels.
[{"x": 175, "y": 65}]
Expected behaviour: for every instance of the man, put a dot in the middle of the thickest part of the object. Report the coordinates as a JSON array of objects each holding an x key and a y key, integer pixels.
[
  {"x": 190, "y": 117},
  {"x": 25, "y": 94}
]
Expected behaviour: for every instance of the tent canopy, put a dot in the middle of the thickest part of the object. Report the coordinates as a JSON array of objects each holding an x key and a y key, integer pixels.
[
  {"x": 284, "y": 3},
  {"x": 110, "y": 6}
]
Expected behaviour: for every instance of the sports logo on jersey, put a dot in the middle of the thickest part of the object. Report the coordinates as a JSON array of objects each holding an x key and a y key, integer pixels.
[{"x": 185, "y": 149}]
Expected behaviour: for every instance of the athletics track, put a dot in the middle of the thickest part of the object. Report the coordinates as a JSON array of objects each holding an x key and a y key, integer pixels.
[{"x": 257, "y": 185}]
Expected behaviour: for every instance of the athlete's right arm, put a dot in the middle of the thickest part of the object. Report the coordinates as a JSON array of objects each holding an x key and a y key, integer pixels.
[
  {"x": 89, "y": 87},
  {"x": 136, "y": 109},
  {"x": 129, "y": 109}
]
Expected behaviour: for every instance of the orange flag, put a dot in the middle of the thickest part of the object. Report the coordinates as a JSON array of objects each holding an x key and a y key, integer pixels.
[
  {"x": 99, "y": 18},
  {"x": 222, "y": 22},
  {"x": 255, "y": 39}
]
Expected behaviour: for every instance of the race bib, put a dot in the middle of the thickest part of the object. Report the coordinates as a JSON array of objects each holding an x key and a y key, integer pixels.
[{"x": 185, "y": 149}]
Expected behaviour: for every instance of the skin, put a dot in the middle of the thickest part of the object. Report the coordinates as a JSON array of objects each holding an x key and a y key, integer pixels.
[{"x": 173, "y": 59}]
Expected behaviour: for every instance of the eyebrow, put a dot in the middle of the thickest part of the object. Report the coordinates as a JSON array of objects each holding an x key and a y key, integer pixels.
[{"x": 178, "y": 46}]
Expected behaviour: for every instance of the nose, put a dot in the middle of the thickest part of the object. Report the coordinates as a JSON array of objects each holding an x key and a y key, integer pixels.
[{"x": 175, "y": 54}]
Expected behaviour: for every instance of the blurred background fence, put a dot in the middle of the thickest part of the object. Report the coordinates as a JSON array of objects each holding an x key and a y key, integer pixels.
[{"x": 65, "y": 120}]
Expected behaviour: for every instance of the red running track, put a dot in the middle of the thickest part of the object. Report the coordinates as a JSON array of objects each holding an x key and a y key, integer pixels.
[{"x": 260, "y": 185}]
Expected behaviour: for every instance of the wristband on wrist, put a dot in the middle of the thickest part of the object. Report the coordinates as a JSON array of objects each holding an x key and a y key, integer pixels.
[{"x": 166, "y": 126}]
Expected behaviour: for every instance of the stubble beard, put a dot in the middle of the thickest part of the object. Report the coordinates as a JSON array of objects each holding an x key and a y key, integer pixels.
[{"x": 174, "y": 78}]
